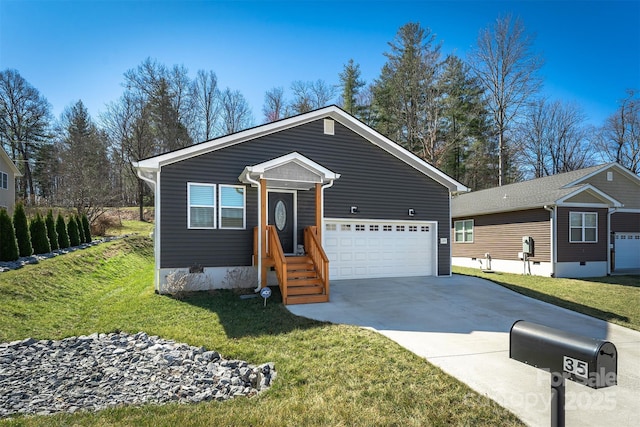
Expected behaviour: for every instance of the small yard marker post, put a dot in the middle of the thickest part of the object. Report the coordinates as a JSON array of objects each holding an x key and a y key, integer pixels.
[{"x": 265, "y": 293}]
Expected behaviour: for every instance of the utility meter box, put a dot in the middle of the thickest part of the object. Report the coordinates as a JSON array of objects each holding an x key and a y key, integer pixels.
[
  {"x": 527, "y": 245},
  {"x": 585, "y": 360}
]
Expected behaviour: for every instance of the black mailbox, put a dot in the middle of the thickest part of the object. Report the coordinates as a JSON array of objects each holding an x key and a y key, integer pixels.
[{"x": 585, "y": 360}]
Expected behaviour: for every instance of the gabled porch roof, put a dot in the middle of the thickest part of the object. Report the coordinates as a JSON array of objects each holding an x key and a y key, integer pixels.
[{"x": 291, "y": 171}]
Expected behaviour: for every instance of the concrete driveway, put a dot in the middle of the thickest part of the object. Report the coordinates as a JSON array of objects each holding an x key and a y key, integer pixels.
[{"x": 461, "y": 324}]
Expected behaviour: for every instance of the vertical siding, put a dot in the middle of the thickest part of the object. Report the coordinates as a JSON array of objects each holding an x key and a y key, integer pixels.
[
  {"x": 581, "y": 252},
  {"x": 501, "y": 235},
  {"x": 382, "y": 186}
]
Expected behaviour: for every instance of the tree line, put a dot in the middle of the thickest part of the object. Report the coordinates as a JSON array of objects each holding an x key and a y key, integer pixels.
[{"x": 480, "y": 119}]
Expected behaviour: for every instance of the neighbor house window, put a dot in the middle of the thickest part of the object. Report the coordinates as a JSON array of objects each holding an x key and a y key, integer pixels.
[
  {"x": 4, "y": 181},
  {"x": 583, "y": 227},
  {"x": 463, "y": 231},
  {"x": 202, "y": 205},
  {"x": 232, "y": 206}
]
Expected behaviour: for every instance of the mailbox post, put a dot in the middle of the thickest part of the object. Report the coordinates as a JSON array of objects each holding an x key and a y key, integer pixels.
[{"x": 585, "y": 360}]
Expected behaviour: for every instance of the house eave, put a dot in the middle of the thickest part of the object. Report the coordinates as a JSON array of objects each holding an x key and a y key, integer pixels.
[{"x": 333, "y": 112}]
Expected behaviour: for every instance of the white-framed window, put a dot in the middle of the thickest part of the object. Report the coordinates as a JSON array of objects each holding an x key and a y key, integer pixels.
[
  {"x": 232, "y": 207},
  {"x": 463, "y": 231},
  {"x": 4, "y": 181},
  {"x": 201, "y": 205},
  {"x": 583, "y": 227}
]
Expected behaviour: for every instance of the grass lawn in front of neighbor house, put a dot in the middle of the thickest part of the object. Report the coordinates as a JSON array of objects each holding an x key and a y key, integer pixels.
[
  {"x": 329, "y": 375},
  {"x": 615, "y": 299}
]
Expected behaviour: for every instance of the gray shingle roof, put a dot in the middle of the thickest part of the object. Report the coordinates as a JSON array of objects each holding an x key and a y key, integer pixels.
[{"x": 530, "y": 194}]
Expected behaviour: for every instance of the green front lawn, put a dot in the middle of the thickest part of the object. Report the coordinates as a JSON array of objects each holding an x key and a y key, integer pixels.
[
  {"x": 332, "y": 375},
  {"x": 615, "y": 299}
]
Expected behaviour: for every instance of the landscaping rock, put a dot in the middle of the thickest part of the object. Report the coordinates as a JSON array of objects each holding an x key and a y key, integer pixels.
[
  {"x": 105, "y": 370},
  {"x": 34, "y": 259}
]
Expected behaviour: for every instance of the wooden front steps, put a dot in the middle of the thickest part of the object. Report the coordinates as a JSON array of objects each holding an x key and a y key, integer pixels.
[{"x": 304, "y": 286}]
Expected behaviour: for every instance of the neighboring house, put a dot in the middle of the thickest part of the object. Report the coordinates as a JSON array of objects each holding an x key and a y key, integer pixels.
[
  {"x": 8, "y": 174},
  {"x": 322, "y": 185},
  {"x": 584, "y": 223}
]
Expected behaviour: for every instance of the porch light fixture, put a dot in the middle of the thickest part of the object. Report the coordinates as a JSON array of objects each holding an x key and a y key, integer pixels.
[
  {"x": 412, "y": 212},
  {"x": 354, "y": 210}
]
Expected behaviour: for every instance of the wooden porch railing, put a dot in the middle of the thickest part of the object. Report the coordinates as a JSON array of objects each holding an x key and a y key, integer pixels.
[
  {"x": 275, "y": 252},
  {"x": 320, "y": 260}
]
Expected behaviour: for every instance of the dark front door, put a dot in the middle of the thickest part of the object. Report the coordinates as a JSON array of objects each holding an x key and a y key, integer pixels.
[{"x": 281, "y": 215}]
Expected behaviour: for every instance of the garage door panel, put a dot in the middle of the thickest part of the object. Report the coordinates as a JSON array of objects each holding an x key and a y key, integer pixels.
[
  {"x": 366, "y": 249},
  {"x": 627, "y": 247}
]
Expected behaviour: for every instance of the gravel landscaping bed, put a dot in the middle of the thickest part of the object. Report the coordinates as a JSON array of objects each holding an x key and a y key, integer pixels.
[{"x": 98, "y": 371}]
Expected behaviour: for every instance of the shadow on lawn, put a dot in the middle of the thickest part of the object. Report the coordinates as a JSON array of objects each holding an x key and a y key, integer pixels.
[
  {"x": 580, "y": 308},
  {"x": 622, "y": 280},
  {"x": 250, "y": 317}
]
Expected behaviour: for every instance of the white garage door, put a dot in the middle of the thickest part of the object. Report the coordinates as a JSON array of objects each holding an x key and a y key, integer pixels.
[
  {"x": 627, "y": 248},
  {"x": 368, "y": 249}
]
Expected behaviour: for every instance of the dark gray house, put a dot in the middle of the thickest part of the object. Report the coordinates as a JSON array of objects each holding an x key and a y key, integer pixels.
[{"x": 295, "y": 203}]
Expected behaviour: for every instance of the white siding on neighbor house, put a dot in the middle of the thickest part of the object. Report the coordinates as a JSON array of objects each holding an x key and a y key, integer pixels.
[{"x": 503, "y": 265}]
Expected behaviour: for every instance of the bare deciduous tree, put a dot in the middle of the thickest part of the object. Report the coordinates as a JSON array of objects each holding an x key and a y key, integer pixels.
[
  {"x": 206, "y": 98},
  {"x": 553, "y": 139},
  {"x": 619, "y": 138},
  {"x": 236, "y": 114},
  {"x": 507, "y": 67},
  {"x": 24, "y": 124},
  {"x": 275, "y": 105}
]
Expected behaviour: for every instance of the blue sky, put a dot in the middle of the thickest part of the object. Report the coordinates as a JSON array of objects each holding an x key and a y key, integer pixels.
[{"x": 72, "y": 50}]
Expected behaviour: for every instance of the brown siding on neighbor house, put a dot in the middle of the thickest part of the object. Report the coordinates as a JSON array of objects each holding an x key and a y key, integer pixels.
[
  {"x": 501, "y": 235},
  {"x": 625, "y": 222},
  {"x": 623, "y": 188},
  {"x": 579, "y": 252}
]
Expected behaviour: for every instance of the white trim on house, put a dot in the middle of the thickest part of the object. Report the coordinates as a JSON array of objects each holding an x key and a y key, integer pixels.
[
  {"x": 339, "y": 115},
  {"x": 189, "y": 205},
  {"x": 607, "y": 200},
  {"x": 221, "y": 206},
  {"x": 626, "y": 172},
  {"x": 12, "y": 166}
]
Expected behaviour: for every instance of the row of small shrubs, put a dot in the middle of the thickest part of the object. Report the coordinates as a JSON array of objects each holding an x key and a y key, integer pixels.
[{"x": 20, "y": 237}]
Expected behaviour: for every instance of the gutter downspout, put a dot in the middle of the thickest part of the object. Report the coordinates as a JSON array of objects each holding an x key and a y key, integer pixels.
[
  {"x": 609, "y": 242},
  {"x": 257, "y": 184},
  {"x": 329, "y": 185},
  {"x": 153, "y": 183},
  {"x": 553, "y": 235}
]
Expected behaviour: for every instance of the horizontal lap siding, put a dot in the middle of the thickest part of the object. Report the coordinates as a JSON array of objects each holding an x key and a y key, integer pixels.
[
  {"x": 382, "y": 187},
  {"x": 579, "y": 252},
  {"x": 625, "y": 222},
  {"x": 501, "y": 235}
]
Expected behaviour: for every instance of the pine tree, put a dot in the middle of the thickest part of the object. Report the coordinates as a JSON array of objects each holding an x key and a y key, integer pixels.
[
  {"x": 351, "y": 84},
  {"x": 63, "y": 235},
  {"x": 39, "y": 239},
  {"x": 87, "y": 229},
  {"x": 80, "y": 228},
  {"x": 72, "y": 229},
  {"x": 8, "y": 242},
  {"x": 51, "y": 230},
  {"x": 21, "y": 226}
]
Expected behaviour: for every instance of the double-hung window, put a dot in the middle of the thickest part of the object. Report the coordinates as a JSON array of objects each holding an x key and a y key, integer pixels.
[
  {"x": 463, "y": 231},
  {"x": 202, "y": 205},
  {"x": 4, "y": 181},
  {"x": 232, "y": 207},
  {"x": 583, "y": 227}
]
